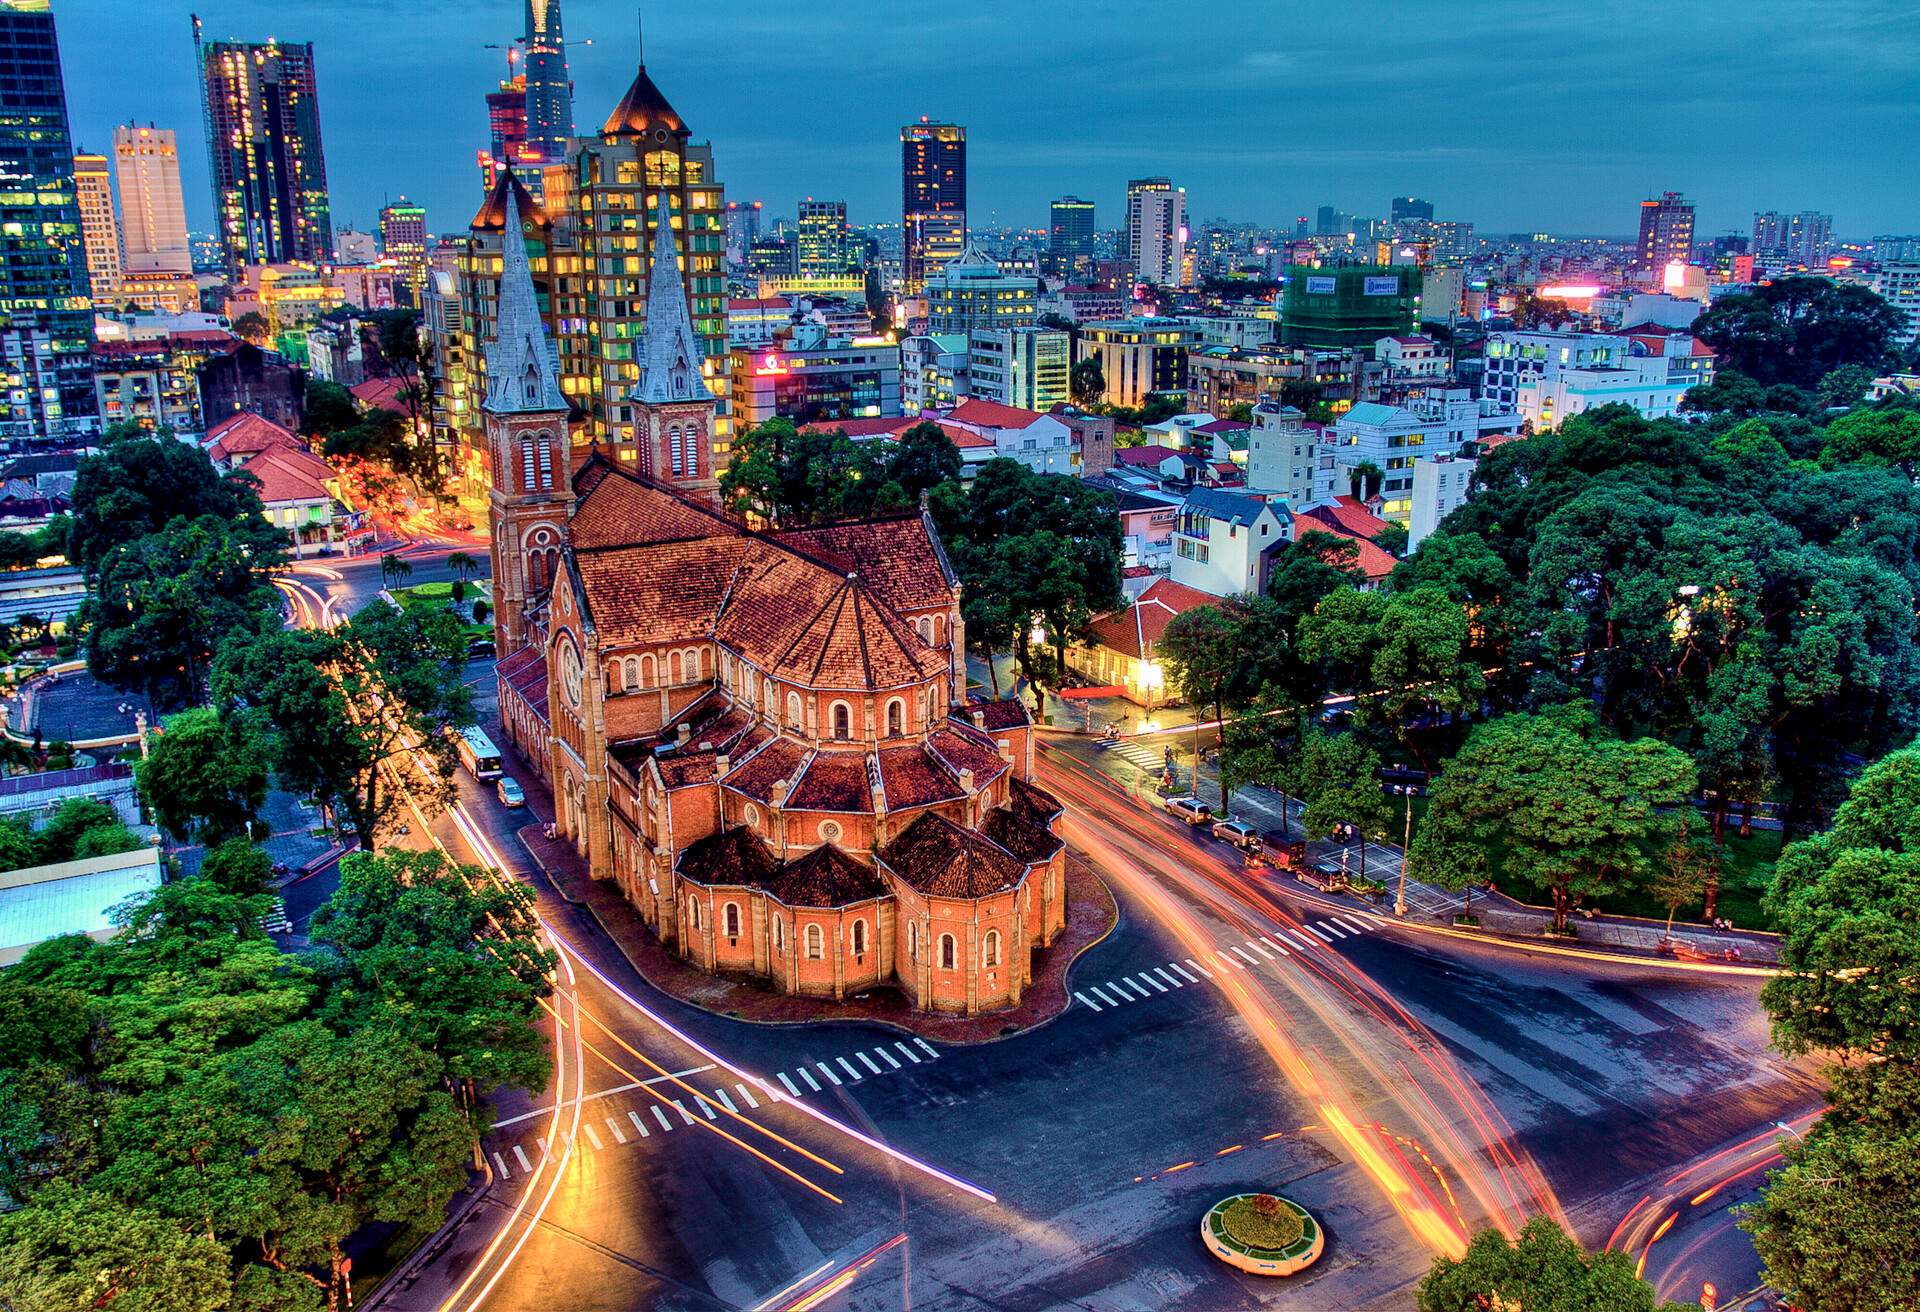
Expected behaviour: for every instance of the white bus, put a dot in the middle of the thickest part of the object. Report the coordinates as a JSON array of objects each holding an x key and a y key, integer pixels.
[{"x": 477, "y": 752}]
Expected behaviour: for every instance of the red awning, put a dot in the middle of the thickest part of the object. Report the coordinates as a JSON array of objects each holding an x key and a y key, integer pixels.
[{"x": 1068, "y": 694}]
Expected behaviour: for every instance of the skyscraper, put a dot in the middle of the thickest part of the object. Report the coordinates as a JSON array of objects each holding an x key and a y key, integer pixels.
[
  {"x": 263, "y": 147},
  {"x": 823, "y": 243},
  {"x": 1070, "y": 235},
  {"x": 549, "y": 91},
  {"x": 743, "y": 230},
  {"x": 1156, "y": 231},
  {"x": 933, "y": 199},
  {"x": 153, "y": 214},
  {"x": 1803, "y": 238},
  {"x": 403, "y": 236},
  {"x": 1411, "y": 209},
  {"x": 1666, "y": 236},
  {"x": 99, "y": 230},
  {"x": 46, "y": 317}
]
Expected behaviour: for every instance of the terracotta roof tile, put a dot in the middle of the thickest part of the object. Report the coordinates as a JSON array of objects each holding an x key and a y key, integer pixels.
[
  {"x": 941, "y": 859},
  {"x": 1033, "y": 804},
  {"x": 991, "y": 414},
  {"x": 286, "y": 476},
  {"x": 381, "y": 394},
  {"x": 732, "y": 856},
  {"x": 247, "y": 434},
  {"x": 780, "y": 759},
  {"x": 1024, "y": 840},
  {"x": 834, "y": 781},
  {"x": 825, "y": 877},
  {"x": 616, "y": 509},
  {"x": 1345, "y": 515},
  {"x": 960, "y": 747},
  {"x": 1000, "y": 713},
  {"x": 914, "y": 777},
  {"x": 900, "y": 559},
  {"x": 692, "y": 770}
]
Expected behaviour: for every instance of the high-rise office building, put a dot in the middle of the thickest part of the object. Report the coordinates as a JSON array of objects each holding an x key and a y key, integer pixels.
[
  {"x": 1333, "y": 222},
  {"x": 743, "y": 230},
  {"x": 1070, "y": 235},
  {"x": 263, "y": 147},
  {"x": 933, "y": 199},
  {"x": 1666, "y": 236},
  {"x": 403, "y": 236},
  {"x": 506, "y": 127},
  {"x": 46, "y": 316},
  {"x": 153, "y": 213},
  {"x": 1157, "y": 231},
  {"x": 549, "y": 90},
  {"x": 1411, "y": 209},
  {"x": 822, "y": 241},
  {"x": 99, "y": 230},
  {"x": 1803, "y": 238}
]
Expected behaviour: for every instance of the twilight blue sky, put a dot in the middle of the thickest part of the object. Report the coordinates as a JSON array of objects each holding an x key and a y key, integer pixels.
[{"x": 1515, "y": 114}]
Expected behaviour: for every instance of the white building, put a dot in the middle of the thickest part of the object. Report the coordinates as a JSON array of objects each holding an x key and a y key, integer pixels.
[
  {"x": 1157, "y": 231},
  {"x": 1440, "y": 486},
  {"x": 1240, "y": 332},
  {"x": 1899, "y": 286},
  {"x": 1221, "y": 541},
  {"x": 933, "y": 372},
  {"x": 1285, "y": 452},
  {"x": 1412, "y": 355},
  {"x": 1023, "y": 367},
  {"x": 1392, "y": 438},
  {"x": 1040, "y": 442},
  {"x": 1652, "y": 373},
  {"x": 153, "y": 215},
  {"x": 1514, "y": 357}
]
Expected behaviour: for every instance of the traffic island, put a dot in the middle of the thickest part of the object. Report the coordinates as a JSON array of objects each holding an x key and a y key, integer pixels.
[{"x": 1262, "y": 1234}]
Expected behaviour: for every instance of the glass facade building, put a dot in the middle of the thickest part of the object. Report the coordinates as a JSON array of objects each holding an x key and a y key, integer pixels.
[
  {"x": 933, "y": 200},
  {"x": 263, "y": 147},
  {"x": 46, "y": 312}
]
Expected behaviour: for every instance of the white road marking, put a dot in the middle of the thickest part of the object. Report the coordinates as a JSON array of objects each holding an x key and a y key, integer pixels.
[
  {"x": 811, "y": 1082},
  {"x": 638, "y": 1124},
  {"x": 682, "y": 1109},
  {"x": 886, "y": 1057},
  {"x": 908, "y": 1053},
  {"x": 660, "y": 1115},
  {"x": 1231, "y": 961},
  {"x": 1158, "y": 987},
  {"x": 927, "y": 1048},
  {"x": 1197, "y": 966},
  {"x": 1191, "y": 978},
  {"x": 592, "y": 1138},
  {"x": 1113, "y": 986},
  {"x": 521, "y": 1157},
  {"x": 704, "y": 1106},
  {"x": 1317, "y": 934},
  {"x": 1161, "y": 971},
  {"x": 1259, "y": 947},
  {"x": 789, "y": 1083},
  {"x": 603, "y": 1093},
  {"x": 614, "y": 1125},
  {"x": 1356, "y": 925},
  {"x": 1089, "y": 1001},
  {"x": 1243, "y": 953},
  {"x": 500, "y": 1167},
  {"x": 849, "y": 1068},
  {"x": 1305, "y": 942},
  {"x": 725, "y": 1101},
  {"x": 868, "y": 1063},
  {"x": 1331, "y": 928},
  {"x": 747, "y": 1093},
  {"x": 1274, "y": 943},
  {"x": 1101, "y": 993},
  {"x": 827, "y": 1071}
]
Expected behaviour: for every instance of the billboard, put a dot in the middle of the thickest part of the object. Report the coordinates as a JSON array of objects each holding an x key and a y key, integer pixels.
[
  {"x": 1382, "y": 287},
  {"x": 1321, "y": 286}
]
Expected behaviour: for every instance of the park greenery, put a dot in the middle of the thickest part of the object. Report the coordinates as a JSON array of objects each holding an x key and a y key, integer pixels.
[
  {"x": 192, "y": 1119},
  {"x": 1541, "y": 1270}
]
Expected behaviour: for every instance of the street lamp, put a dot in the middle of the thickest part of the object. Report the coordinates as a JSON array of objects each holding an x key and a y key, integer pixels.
[{"x": 1406, "y": 841}]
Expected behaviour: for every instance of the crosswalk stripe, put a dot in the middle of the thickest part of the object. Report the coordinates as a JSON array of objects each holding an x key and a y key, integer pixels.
[
  {"x": 1197, "y": 966},
  {"x": 927, "y": 1048},
  {"x": 618, "y": 1136},
  {"x": 868, "y": 1062},
  {"x": 592, "y": 1138},
  {"x": 849, "y": 1068},
  {"x": 1089, "y": 1001},
  {"x": 660, "y": 1115},
  {"x": 1332, "y": 929},
  {"x": 1191, "y": 978},
  {"x": 789, "y": 1083},
  {"x": 1274, "y": 943},
  {"x": 1101, "y": 993},
  {"x": 886, "y": 1057},
  {"x": 1120, "y": 989},
  {"x": 908, "y": 1052},
  {"x": 1259, "y": 947},
  {"x": 1231, "y": 961},
  {"x": 520, "y": 1156},
  {"x": 638, "y": 1124},
  {"x": 705, "y": 1106},
  {"x": 1316, "y": 933},
  {"x": 1161, "y": 971},
  {"x": 500, "y": 1167},
  {"x": 725, "y": 1101},
  {"x": 827, "y": 1071},
  {"x": 1158, "y": 987},
  {"x": 682, "y": 1109},
  {"x": 1243, "y": 953},
  {"x": 807, "y": 1075},
  {"x": 1305, "y": 942},
  {"x": 1356, "y": 925},
  {"x": 747, "y": 1093}
]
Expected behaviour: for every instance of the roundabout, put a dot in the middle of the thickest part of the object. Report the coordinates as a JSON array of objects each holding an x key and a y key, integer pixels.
[{"x": 1262, "y": 1234}]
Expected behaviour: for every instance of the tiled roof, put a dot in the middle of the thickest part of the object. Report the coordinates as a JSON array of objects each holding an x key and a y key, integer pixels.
[
  {"x": 1150, "y": 455},
  {"x": 999, "y": 713},
  {"x": 1133, "y": 630},
  {"x": 941, "y": 859},
  {"x": 688, "y": 771},
  {"x": 1228, "y": 507},
  {"x": 834, "y": 781},
  {"x": 288, "y": 476},
  {"x": 1025, "y": 841},
  {"x": 1345, "y": 515},
  {"x": 247, "y": 434},
  {"x": 914, "y": 777},
  {"x": 381, "y": 394},
  {"x": 900, "y": 559},
  {"x": 991, "y": 414},
  {"x": 780, "y": 759},
  {"x": 616, "y": 508},
  {"x": 732, "y": 856},
  {"x": 825, "y": 877},
  {"x": 1035, "y": 804},
  {"x": 1224, "y": 426},
  {"x": 863, "y": 427},
  {"x": 641, "y": 108},
  {"x": 525, "y": 671},
  {"x": 960, "y": 746},
  {"x": 493, "y": 211},
  {"x": 1374, "y": 561}
]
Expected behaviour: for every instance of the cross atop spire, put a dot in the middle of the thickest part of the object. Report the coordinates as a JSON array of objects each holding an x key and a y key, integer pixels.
[
  {"x": 523, "y": 365},
  {"x": 669, "y": 353}
]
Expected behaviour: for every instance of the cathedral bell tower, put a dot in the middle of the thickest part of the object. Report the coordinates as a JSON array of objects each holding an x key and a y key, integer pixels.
[
  {"x": 673, "y": 412},
  {"x": 525, "y": 416}
]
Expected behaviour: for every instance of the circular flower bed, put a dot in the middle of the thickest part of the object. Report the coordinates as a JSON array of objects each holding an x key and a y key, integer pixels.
[{"x": 1262, "y": 1234}]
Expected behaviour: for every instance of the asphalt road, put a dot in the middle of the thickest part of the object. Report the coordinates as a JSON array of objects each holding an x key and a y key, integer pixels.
[{"x": 1233, "y": 1032}]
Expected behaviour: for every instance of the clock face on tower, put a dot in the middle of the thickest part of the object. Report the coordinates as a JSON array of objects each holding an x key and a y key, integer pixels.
[{"x": 570, "y": 673}]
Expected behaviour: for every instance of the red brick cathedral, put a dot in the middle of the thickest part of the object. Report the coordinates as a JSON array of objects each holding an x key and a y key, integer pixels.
[{"x": 763, "y": 738}]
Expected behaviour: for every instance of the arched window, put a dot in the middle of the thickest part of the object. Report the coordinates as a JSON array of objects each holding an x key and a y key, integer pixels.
[
  {"x": 779, "y": 936},
  {"x": 816, "y": 943},
  {"x": 675, "y": 459},
  {"x": 859, "y": 938},
  {"x": 673, "y": 669},
  {"x": 629, "y": 673},
  {"x": 842, "y": 721},
  {"x": 706, "y": 663},
  {"x": 947, "y": 952},
  {"x": 731, "y": 916},
  {"x": 693, "y": 915},
  {"x": 925, "y": 625},
  {"x": 896, "y": 717},
  {"x": 990, "y": 949},
  {"x": 793, "y": 709},
  {"x": 647, "y": 670},
  {"x": 940, "y": 630},
  {"x": 913, "y": 940}
]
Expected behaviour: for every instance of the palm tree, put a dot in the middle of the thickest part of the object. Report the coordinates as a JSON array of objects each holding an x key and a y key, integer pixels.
[
  {"x": 394, "y": 570},
  {"x": 463, "y": 565}
]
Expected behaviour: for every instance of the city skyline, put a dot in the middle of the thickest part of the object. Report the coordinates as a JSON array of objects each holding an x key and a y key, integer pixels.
[{"x": 1603, "y": 110}]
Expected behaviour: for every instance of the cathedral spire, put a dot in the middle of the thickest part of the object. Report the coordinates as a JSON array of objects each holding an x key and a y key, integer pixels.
[
  {"x": 523, "y": 365},
  {"x": 670, "y": 353}
]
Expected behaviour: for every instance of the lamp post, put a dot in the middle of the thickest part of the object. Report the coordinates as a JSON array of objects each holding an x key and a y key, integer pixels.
[{"x": 1406, "y": 841}]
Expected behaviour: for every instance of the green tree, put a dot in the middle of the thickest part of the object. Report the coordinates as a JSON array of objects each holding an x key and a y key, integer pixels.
[
  {"x": 83, "y": 827},
  {"x": 1364, "y": 480},
  {"x": 1845, "y": 386},
  {"x": 1875, "y": 437},
  {"x": 1310, "y": 568},
  {"x": 138, "y": 485},
  {"x": 239, "y": 868},
  {"x": 1798, "y": 330},
  {"x": 395, "y": 569},
  {"x": 1568, "y": 807},
  {"x": 1339, "y": 784},
  {"x": 463, "y": 565},
  {"x": 1087, "y": 381},
  {"x": 252, "y": 327},
  {"x": 205, "y": 776},
  {"x": 1541, "y": 1271},
  {"x": 76, "y": 1249},
  {"x": 329, "y": 408},
  {"x": 1680, "y": 873}
]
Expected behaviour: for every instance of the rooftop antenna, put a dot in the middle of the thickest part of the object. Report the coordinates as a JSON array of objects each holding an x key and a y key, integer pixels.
[{"x": 640, "y": 22}]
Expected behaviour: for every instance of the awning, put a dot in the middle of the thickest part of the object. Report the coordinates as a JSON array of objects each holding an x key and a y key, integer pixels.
[{"x": 1069, "y": 694}]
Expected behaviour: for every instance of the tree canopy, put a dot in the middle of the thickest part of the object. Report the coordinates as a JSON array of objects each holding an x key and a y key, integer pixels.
[
  {"x": 1541, "y": 1271},
  {"x": 789, "y": 477},
  {"x": 1798, "y": 330}
]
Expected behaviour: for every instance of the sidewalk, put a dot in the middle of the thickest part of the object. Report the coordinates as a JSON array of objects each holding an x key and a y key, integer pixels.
[{"x": 1500, "y": 916}]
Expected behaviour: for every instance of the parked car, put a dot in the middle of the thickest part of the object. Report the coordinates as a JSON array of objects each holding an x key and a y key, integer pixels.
[
  {"x": 479, "y": 648},
  {"x": 1191, "y": 809},
  {"x": 1241, "y": 835},
  {"x": 511, "y": 793},
  {"x": 1327, "y": 876}
]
